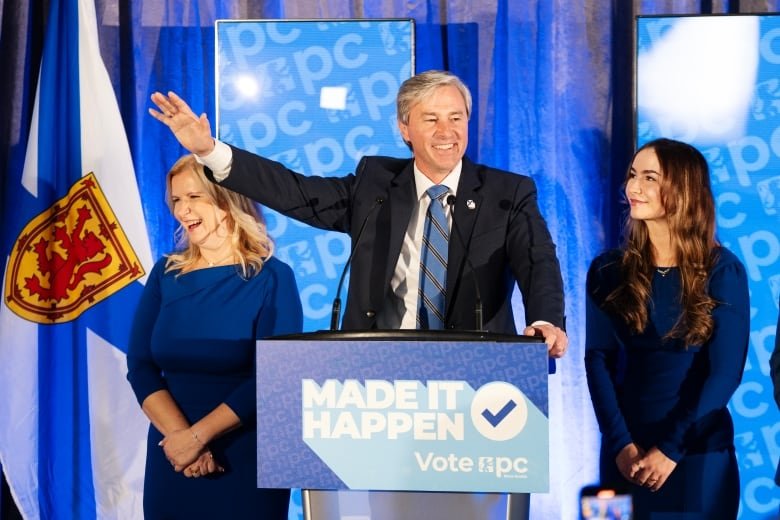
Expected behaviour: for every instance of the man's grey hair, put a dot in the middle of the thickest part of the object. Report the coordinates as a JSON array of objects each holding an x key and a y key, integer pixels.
[{"x": 422, "y": 85}]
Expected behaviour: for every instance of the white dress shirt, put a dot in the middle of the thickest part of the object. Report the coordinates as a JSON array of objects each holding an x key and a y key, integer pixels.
[
  {"x": 400, "y": 309},
  {"x": 218, "y": 161}
]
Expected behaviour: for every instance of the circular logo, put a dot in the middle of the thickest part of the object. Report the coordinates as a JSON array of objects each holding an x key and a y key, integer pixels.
[{"x": 499, "y": 411}]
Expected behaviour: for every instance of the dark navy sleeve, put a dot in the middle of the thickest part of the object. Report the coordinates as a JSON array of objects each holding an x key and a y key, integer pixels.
[
  {"x": 774, "y": 364},
  {"x": 533, "y": 260},
  {"x": 282, "y": 310},
  {"x": 725, "y": 353},
  {"x": 143, "y": 373},
  {"x": 280, "y": 313},
  {"x": 322, "y": 202},
  {"x": 601, "y": 358}
]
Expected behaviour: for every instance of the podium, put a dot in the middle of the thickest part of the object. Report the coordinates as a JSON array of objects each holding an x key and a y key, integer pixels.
[{"x": 402, "y": 410}]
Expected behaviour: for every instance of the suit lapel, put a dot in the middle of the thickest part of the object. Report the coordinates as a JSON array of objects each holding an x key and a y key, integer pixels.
[
  {"x": 401, "y": 196},
  {"x": 465, "y": 211}
]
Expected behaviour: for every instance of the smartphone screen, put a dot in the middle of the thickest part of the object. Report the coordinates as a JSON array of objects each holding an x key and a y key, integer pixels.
[{"x": 605, "y": 503}]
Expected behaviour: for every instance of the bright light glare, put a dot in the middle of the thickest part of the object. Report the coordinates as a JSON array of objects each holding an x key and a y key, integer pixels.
[
  {"x": 696, "y": 83},
  {"x": 247, "y": 86},
  {"x": 333, "y": 98}
]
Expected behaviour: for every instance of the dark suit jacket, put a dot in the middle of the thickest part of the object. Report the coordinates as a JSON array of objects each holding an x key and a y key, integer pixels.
[{"x": 506, "y": 237}]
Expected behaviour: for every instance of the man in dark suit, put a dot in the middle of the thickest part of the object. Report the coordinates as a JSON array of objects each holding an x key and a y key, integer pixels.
[
  {"x": 497, "y": 223},
  {"x": 493, "y": 217}
]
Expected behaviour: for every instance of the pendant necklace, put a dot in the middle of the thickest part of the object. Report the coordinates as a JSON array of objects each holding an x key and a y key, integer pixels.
[
  {"x": 216, "y": 262},
  {"x": 663, "y": 272}
]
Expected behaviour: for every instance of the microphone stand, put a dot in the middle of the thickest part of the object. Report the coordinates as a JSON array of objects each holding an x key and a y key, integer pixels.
[{"x": 336, "y": 307}]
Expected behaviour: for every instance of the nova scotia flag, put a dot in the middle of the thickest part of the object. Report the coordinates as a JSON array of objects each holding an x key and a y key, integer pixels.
[{"x": 75, "y": 251}]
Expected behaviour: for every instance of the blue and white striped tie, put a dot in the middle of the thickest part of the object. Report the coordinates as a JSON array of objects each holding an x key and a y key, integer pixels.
[{"x": 433, "y": 262}]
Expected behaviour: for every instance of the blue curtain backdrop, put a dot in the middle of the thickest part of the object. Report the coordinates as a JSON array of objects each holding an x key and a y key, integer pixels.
[{"x": 553, "y": 99}]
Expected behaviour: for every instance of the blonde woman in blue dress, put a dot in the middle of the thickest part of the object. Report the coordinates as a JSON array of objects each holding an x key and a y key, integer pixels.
[{"x": 191, "y": 360}]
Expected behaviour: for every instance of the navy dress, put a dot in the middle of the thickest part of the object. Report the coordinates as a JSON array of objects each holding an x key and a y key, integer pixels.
[
  {"x": 658, "y": 393},
  {"x": 194, "y": 335}
]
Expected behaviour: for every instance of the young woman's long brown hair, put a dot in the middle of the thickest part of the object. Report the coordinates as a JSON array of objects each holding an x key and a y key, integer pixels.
[{"x": 686, "y": 196}]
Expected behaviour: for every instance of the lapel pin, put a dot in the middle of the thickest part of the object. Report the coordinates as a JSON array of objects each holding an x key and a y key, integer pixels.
[{"x": 471, "y": 204}]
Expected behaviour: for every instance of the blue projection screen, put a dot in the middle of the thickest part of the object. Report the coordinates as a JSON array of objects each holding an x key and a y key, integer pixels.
[
  {"x": 315, "y": 95},
  {"x": 714, "y": 81}
]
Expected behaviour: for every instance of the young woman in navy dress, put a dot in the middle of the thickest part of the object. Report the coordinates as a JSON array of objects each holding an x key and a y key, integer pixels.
[
  {"x": 191, "y": 360},
  {"x": 667, "y": 338}
]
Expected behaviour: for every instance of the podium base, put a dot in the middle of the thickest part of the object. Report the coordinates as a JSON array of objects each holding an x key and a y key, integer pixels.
[{"x": 394, "y": 505}]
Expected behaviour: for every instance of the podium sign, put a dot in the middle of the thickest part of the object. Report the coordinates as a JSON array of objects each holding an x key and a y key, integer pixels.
[{"x": 402, "y": 415}]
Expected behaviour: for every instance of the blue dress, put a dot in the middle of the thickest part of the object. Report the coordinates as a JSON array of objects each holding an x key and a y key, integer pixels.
[
  {"x": 194, "y": 335},
  {"x": 658, "y": 393}
]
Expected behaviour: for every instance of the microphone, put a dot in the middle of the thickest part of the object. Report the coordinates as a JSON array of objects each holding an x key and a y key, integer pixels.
[
  {"x": 336, "y": 307},
  {"x": 478, "y": 303}
]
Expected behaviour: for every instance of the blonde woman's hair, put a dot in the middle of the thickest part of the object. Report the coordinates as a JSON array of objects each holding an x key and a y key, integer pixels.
[
  {"x": 422, "y": 85},
  {"x": 248, "y": 237}
]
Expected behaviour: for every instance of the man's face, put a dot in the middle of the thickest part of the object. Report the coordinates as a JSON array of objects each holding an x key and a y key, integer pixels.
[{"x": 438, "y": 132}]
